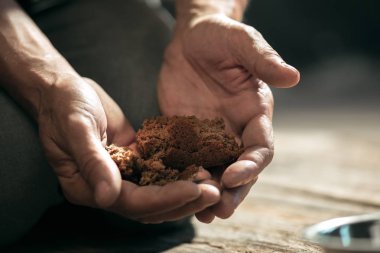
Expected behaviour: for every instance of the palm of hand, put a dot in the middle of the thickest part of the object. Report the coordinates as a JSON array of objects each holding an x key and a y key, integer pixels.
[{"x": 202, "y": 77}]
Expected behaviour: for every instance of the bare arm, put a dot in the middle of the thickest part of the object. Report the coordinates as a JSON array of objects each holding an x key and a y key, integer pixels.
[
  {"x": 29, "y": 64},
  {"x": 188, "y": 9},
  {"x": 188, "y": 12}
]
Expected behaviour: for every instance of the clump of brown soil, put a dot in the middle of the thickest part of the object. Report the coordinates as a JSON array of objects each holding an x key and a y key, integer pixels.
[{"x": 175, "y": 148}]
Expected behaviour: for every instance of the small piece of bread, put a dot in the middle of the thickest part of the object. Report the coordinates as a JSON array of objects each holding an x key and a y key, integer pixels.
[{"x": 175, "y": 148}]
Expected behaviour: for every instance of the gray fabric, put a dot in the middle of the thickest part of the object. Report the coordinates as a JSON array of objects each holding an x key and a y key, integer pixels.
[
  {"x": 117, "y": 43},
  {"x": 27, "y": 184}
]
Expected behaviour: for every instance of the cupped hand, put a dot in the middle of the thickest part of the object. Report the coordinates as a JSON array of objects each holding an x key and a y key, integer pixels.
[
  {"x": 218, "y": 67},
  {"x": 76, "y": 120}
]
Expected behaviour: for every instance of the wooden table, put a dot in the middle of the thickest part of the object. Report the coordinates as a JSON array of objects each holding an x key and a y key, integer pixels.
[{"x": 327, "y": 164}]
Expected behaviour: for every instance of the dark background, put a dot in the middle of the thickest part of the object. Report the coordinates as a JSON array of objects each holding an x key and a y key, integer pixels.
[
  {"x": 307, "y": 32},
  {"x": 335, "y": 45}
]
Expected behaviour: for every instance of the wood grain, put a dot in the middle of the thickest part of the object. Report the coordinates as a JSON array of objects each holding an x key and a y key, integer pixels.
[{"x": 326, "y": 165}]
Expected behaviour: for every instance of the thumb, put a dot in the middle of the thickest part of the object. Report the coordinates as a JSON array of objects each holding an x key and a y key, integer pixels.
[
  {"x": 263, "y": 61},
  {"x": 98, "y": 170}
]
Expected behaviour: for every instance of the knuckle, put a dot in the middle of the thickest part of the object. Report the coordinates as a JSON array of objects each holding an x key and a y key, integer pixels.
[
  {"x": 258, "y": 41},
  {"x": 264, "y": 156},
  {"x": 251, "y": 32},
  {"x": 267, "y": 156},
  {"x": 270, "y": 154},
  {"x": 80, "y": 122},
  {"x": 268, "y": 52},
  {"x": 88, "y": 165},
  {"x": 244, "y": 33},
  {"x": 260, "y": 157}
]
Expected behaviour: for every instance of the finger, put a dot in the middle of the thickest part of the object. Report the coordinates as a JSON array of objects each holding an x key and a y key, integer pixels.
[
  {"x": 231, "y": 199},
  {"x": 262, "y": 60},
  {"x": 257, "y": 138},
  {"x": 209, "y": 196},
  {"x": 119, "y": 130},
  {"x": 75, "y": 189},
  {"x": 205, "y": 216},
  {"x": 95, "y": 165},
  {"x": 202, "y": 175},
  {"x": 140, "y": 201}
]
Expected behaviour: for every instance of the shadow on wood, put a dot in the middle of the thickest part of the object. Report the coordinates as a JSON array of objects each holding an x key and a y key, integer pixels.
[{"x": 67, "y": 228}]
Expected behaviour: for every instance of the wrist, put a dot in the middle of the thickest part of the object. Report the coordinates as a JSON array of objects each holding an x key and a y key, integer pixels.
[
  {"x": 29, "y": 64},
  {"x": 189, "y": 12},
  {"x": 28, "y": 78}
]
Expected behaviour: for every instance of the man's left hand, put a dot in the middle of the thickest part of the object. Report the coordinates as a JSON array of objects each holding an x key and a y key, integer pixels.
[{"x": 218, "y": 67}]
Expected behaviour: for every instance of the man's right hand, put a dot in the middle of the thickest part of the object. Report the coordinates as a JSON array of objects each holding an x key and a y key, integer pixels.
[{"x": 76, "y": 120}]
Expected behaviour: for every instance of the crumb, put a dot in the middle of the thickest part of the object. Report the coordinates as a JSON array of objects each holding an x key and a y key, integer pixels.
[{"x": 123, "y": 157}]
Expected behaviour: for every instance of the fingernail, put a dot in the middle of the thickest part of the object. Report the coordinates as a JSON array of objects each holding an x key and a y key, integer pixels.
[
  {"x": 212, "y": 193},
  {"x": 212, "y": 189}
]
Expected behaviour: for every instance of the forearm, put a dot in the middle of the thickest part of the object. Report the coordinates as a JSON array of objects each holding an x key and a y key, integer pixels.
[
  {"x": 186, "y": 10},
  {"x": 28, "y": 62}
]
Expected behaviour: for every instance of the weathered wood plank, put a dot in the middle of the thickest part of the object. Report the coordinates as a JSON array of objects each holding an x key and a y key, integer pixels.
[{"x": 326, "y": 166}]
